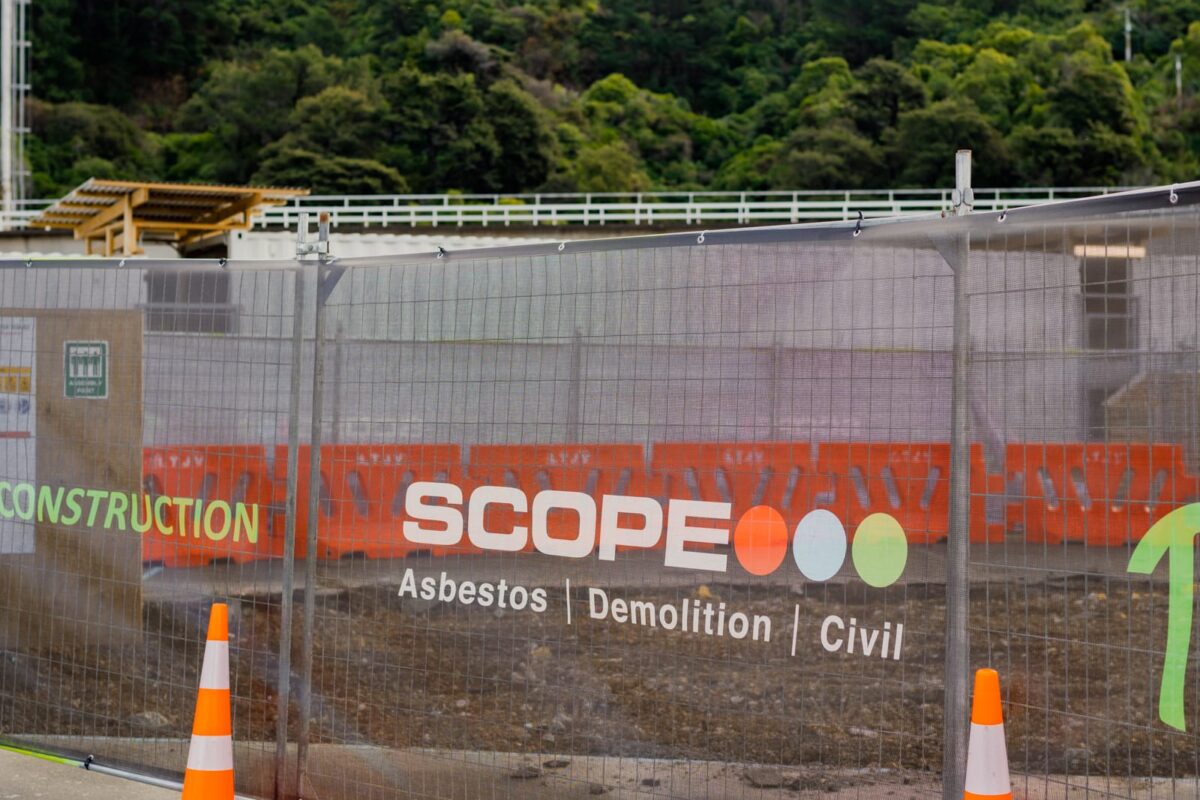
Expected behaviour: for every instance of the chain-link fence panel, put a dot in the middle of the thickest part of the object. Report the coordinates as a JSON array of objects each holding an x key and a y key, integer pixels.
[
  {"x": 723, "y": 515},
  {"x": 138, "y": 485},
  {"x": 1084, "y": 374},
  {"x": 558, "y": 496}
]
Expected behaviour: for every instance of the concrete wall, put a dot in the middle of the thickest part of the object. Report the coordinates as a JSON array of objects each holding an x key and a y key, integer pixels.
[{"x": 804, "y": 342}]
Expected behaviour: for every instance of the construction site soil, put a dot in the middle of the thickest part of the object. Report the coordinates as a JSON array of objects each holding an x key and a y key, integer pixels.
[{"x": 1080, "y": 661}]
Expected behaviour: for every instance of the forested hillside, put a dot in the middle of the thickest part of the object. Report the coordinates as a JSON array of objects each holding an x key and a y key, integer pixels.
[{"x": 611, "y": 95}]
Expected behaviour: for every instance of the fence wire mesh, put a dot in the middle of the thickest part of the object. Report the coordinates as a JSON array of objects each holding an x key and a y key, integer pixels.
[
  {"x": 136, "y": 489},
  {"x": 663, "y": 517}
]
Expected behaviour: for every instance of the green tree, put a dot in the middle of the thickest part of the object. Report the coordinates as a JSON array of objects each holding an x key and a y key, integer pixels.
[
  {"x": 128, "y": 47},
  {"x": 937, "y": 65},
  {"x": 522, "y": 129},
  {"x": 752, "y": 169},
  {"x": 56, "y": 52},
  {"x": 927, "y": 139},
  {"x": 996, "y": 83},
  {"x": 77, "y": 141},
  {"x": 697, "y": 50},
  {"x": 829, "y": 157},
  {"x": 860, "y": 30},
  {"x": 248, "y": 104},
  {"x": 1088, "y": 91},
  {"x": 656, "y": 128},
  {"x": 437, "y": 132},
  {"x": 510, "y": 95},
  {"x": 337, "y": 120},
  {"x": 607, "y": 168},
  {"x": 325, "y": 174},
  {"x": 881, "y": 92},
  {"x": 1047, "y": 156}
]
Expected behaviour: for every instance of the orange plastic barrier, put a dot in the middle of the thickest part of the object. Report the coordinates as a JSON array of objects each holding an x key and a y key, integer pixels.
[
  {"x": 984, "y": 486},
  {"x": 911, "y": 482},
  {"x": 362, "y": 499},
  {"x": 745, "y": 474},
  {"x": 595, "y": 469},
  {"x": 232, "y": 473},
  {"x": 1099, "y": 494},
  {"x": 1094, "y": 493}
]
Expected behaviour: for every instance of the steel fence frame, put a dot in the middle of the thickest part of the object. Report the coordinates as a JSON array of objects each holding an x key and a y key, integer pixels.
[{"x": 315, "y": 279}]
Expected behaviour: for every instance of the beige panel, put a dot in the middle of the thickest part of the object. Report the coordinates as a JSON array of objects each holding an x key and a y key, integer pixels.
[{"x": 82, "y": 586}]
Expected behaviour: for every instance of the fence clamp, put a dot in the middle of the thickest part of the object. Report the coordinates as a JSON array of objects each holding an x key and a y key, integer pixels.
[
  {"x": 963, "y": 197},
  {"x": 320, "y": 247},
  {"x": 329, "y": 275}
]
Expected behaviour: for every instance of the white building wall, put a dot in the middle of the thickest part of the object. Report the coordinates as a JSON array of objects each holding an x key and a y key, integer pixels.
[{"x": 802, "y": 342}]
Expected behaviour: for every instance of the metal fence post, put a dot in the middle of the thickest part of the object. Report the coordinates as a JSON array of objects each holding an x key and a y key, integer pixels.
[
  {"x": 310, "y": 556},
  {"x": 284, "y": 687},
  {"x": 954, "y": 757},
  {"x": 314, "y": 504}
]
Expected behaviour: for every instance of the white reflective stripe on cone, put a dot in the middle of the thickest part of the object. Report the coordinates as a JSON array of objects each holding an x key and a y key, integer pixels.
[
  {"x": 987, "y": 761},
  {"x": 210, "y": 753},
  {"x": 215, "y": 672}
]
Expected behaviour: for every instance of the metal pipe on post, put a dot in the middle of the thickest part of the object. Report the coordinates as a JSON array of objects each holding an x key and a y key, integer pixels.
[
  {"x": 575, "y": 390},
  {"x": 314, "y": 505},
  {"x": 954, "y": 759},
  {"x": 1178, "y": 81},
  {"x": 6, "y": 111},
  {"x": 1128, "y": 36},
  {"x": 284, "y": 688}
]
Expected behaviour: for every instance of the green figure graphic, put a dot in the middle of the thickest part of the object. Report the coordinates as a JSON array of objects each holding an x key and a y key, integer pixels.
[{"x": 1173, "y": 536}]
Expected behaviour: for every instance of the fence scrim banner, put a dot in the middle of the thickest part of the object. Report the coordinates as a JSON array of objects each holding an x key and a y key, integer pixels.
[{"x": 672, "y": 515}]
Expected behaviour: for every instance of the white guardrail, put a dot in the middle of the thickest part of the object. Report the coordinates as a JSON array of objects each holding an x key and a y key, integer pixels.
[{"x": 646, "y": 208}]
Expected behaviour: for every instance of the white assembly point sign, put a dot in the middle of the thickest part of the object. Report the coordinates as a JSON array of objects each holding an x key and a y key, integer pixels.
[{"x": 18, "y": 422}]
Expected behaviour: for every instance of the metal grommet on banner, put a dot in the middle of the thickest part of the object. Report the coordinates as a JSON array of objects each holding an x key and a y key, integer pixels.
[
  {"x": 87, "y": 762},
  {"x": 562, "y": 246},
  {"x": 29, "y": 263},
  {"x": 858, "y": 224},
  {"x": 441, "y": 252},
  {"x": 1174, "y": 196},
  {"x": 1003, "y": 216},
  {"x": 222, "y": 263},
  {"x": 121, "y": 263},
  {"x": 700, "y": 238}
]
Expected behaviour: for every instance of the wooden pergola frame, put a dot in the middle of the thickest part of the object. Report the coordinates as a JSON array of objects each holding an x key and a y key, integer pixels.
[{"x": 120, "y": 215}]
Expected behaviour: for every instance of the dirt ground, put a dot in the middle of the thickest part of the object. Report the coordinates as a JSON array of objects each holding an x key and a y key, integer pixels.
[{"x": 1079, "y": 660}]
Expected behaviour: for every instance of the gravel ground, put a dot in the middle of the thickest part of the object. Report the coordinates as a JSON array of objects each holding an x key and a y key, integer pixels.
[{"x": 1079, "y": 659}]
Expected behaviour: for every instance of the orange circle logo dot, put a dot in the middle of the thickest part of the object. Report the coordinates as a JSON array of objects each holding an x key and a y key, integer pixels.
[{"x": 760, "y": 540}]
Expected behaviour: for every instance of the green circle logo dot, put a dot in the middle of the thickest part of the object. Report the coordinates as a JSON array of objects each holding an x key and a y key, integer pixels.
[{"x": 879, "y": 550}]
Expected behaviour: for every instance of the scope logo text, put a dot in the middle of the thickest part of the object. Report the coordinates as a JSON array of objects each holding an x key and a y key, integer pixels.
[{"x": 439, "y": 517}]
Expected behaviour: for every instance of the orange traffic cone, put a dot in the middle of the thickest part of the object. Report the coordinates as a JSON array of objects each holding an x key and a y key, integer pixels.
[
  {"x": 209, "y": 773},
  {"x": 987, "y": 757}
]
